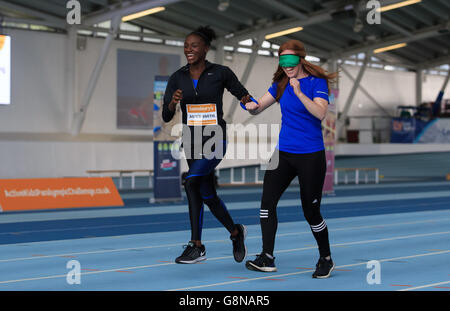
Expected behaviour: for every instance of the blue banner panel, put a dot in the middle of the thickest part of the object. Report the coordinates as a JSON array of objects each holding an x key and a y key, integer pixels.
[
  {"x": 403, "y": 130},
  {"x": 167, "y": 176},
  {"x": 436, "y": 131}
]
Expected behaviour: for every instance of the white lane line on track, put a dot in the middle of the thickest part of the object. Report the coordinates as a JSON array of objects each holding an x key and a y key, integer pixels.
[
  {"x": 216, "y": 241},
  {"x": 423, "y": 286},
  {"x": 256, "y": 215},
  {"x": 303, "y": 272},
  {"x": 228, "y": 257}
]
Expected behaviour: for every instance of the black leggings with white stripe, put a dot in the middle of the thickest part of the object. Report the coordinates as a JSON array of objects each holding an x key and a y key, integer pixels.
[{"x": 310, "y": 168}]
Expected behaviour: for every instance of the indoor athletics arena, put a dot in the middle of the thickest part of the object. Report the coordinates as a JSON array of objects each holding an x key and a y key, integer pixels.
[{"x": 224, "y": 146}]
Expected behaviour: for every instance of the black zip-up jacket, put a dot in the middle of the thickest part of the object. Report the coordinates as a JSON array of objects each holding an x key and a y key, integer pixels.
[{"x": 210, "y": 87}]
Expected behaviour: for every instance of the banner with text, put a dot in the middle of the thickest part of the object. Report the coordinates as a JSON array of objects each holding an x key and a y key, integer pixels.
[
  {"x": 167, "y": 180},
  {"x": 56, "y": 193},
  {"x": 167, "y": 175},
  {"x": 329, "y": 139}
]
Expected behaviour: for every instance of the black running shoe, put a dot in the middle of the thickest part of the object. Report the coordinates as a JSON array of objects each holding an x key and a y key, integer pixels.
[
  {"x": 192, "y": 254},
  {"x": 239, "y": 249},
  {"x": 262, "y": 263},
  {"x": 323, "y": 268}
]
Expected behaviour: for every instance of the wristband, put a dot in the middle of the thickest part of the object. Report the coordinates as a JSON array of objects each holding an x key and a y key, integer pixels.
[{"x": 252, "y": 99}]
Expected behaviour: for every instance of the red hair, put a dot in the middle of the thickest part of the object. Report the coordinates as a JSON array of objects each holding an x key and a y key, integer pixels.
[{"x": 280, "y": 76}]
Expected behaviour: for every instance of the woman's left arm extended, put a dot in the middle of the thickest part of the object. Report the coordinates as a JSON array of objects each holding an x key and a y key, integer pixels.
[
  {"x": 317, "y": 107},
  {"x": 234, "y": 86}
]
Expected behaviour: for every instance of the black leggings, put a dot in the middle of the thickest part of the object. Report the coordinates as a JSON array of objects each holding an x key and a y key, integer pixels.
[
  {"x": 200, "y": 189},
  {"x": 310, "y": 168}
]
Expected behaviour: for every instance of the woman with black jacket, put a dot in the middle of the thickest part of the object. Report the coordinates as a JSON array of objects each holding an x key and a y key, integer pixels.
[{"x": 198, "y": 87}]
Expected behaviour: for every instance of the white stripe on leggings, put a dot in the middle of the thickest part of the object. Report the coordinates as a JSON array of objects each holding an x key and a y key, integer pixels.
[{"x": 319, "y": 227}]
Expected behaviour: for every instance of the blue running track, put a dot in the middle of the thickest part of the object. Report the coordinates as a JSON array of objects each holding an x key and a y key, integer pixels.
[{"x": 405, "y": 226}]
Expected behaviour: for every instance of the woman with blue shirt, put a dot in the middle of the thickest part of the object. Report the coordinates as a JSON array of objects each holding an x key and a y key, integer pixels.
[{"x": 301, "y": 88}]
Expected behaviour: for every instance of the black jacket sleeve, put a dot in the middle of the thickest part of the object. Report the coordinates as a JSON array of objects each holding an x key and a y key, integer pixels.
[
  {"x": 232, "y": 84},
  {"x": 171, "y": 87}
]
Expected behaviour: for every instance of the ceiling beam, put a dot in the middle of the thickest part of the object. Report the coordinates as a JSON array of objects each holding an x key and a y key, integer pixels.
[
  {"x": 385, "y": 21},
  {"x": 244, "y": 20},
  {"x": 399, "y": 19},
  {"x": 30, "y": 21},
  {"x": 395, "y": 60},
  {"x": 337, "y": 30},
  {"x": 123, "y": 9},
  {"x": 420, "y": 34},
  {"x": 418, "y": 14},
  {"x": 271, "y": 27},
  {"x": 100, "y": 2},
  {"x": 285, "y": 9},
  {"x": 434, "y": 47},
  {"x": 164, "y": 26},
  {"x": 279, "y": 26},
  {"x": 132, "y": 33},
  {"x": 247, "y": 7},
  {"x": 434, "y": 8},
  {"x": 35, "y": 13},
  {"x": 435, "y": 62},
  {"x": 187, "y": 16}
]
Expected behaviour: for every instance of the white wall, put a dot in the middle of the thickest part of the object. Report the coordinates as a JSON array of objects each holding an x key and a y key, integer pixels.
[
  {"x": 389, "y": 88},
  {"x": 39, "y": 106},
  {"x": 34, "y": 139},
  {"x": 37, "y": 84}
]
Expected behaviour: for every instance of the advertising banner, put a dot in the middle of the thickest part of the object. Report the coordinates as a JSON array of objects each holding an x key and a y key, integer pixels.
[
  {"x": 57, "y": 193},
  {"x": 403, "y": 130},
  {"x": 329, "y": 139},
  {"x": 167, "y": 180},
  {"x": 436, "y": 131},
  {"x": 167, "y": 175}
]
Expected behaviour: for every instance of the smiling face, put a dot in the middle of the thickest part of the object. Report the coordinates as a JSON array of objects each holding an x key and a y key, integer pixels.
[
  {"x": 291, "y": 72},
  {"x": 195, "y": 49}
]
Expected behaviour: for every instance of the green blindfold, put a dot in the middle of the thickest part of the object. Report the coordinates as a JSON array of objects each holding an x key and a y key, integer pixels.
[{"x": 289, "y": 60}]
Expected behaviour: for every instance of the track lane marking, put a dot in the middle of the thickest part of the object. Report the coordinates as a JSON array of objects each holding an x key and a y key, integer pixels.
[
  {"x": 214, "y": 241},
  {"x": 424, "y": 286},
  {"x": 303, "y": 272},
  {"x": 228, "y": 257}
]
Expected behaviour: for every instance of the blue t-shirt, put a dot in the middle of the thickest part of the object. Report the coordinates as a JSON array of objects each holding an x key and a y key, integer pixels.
[
  {"x": 301, "y": 132},
  {"x": 195, "y": 83}
]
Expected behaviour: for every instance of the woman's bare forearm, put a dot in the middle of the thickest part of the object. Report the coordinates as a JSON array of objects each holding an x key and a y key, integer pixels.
[{"x": 316, "y": 109}]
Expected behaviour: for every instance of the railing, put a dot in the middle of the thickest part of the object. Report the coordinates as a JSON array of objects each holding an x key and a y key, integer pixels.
[
  {"x": 239, "y": 175},
  {"x": 236, "y": 171},
  {"x": 244, "y": 180},
  {"x": 122, "y": 173},
  {"x": 356, "y": 171}
]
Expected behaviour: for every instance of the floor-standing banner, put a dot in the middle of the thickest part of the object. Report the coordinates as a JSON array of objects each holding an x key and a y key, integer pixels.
[
  {"x": 167, "y": 174},
  {"x": 57, "y": 193},
  {"x": 329, "y": 138}
]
